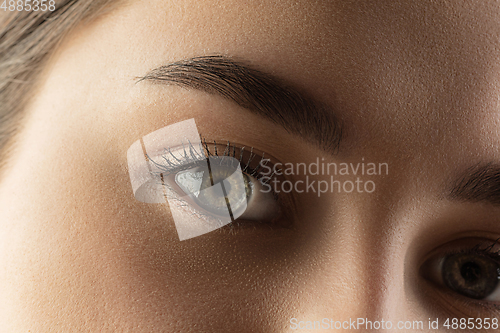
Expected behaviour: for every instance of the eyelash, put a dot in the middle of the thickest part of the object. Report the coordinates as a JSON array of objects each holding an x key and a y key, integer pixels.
[
  {"x": 476, "y": 250},
  {"x": 191, "y": 158}
]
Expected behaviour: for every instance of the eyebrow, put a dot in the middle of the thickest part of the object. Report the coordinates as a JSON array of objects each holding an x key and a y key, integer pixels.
[
  {"x": 480, "y": 183},
  {"x": 259, "y": 92}
]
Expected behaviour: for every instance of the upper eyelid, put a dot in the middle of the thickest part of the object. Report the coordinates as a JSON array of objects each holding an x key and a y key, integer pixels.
[
  {"x": 172, "y": 163},
  {"x": 462, "y": 245},
  {"x": 168, "y": 162},
  {"x": 170, "y": 167}
]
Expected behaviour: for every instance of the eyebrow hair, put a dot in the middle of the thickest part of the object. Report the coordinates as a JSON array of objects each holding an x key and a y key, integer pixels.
[
  {"x": 258, "y": 92},
  {"x": 480, "y": 183}
]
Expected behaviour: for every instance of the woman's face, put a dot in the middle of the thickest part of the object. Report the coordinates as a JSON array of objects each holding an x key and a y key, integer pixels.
[{"x": 415, "y": 87}]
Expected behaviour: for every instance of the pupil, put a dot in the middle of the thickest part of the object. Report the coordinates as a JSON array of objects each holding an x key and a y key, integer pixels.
[{"x": 471, "y": 272}]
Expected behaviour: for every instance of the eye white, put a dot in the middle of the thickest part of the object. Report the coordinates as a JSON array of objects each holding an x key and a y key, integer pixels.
[{"x": 261, "y": 206}]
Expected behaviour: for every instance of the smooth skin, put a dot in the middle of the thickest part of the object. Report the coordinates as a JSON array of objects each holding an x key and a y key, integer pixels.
[{"x": 416, "y": 85}]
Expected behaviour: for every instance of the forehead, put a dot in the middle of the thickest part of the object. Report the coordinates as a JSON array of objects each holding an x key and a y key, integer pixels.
[{"x": 401, "y": 74}]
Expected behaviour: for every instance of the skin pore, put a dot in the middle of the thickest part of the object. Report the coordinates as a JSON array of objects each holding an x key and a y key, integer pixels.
[{"x": 415, "y": 86}]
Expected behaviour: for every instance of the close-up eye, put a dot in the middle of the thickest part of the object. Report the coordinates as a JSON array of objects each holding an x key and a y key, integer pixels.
[
  {"x": 225, "y": 178},
  {"x": 472, "y": 272}
]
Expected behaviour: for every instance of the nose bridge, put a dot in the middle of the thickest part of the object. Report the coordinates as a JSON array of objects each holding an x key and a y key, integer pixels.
[
  {"x": 384, "y": 280},
  {"x": 358, "y": 292},
  {"x": 363, "y": 272}
]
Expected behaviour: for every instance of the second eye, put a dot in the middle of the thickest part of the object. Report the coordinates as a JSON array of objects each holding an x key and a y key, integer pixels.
[{"x": 473, "y": 273}]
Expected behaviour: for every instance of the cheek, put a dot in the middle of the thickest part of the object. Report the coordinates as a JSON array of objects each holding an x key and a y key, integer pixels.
[
  {"x": 60, "y": 223},
  {"x": 83, "y": 251}
]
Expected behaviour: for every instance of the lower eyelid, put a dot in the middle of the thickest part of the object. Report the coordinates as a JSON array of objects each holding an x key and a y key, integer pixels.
[{"x": 187, "y": 217}]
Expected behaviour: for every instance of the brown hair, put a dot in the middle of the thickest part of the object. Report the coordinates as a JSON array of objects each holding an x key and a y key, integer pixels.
[{"x": 27, "y": 38}]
